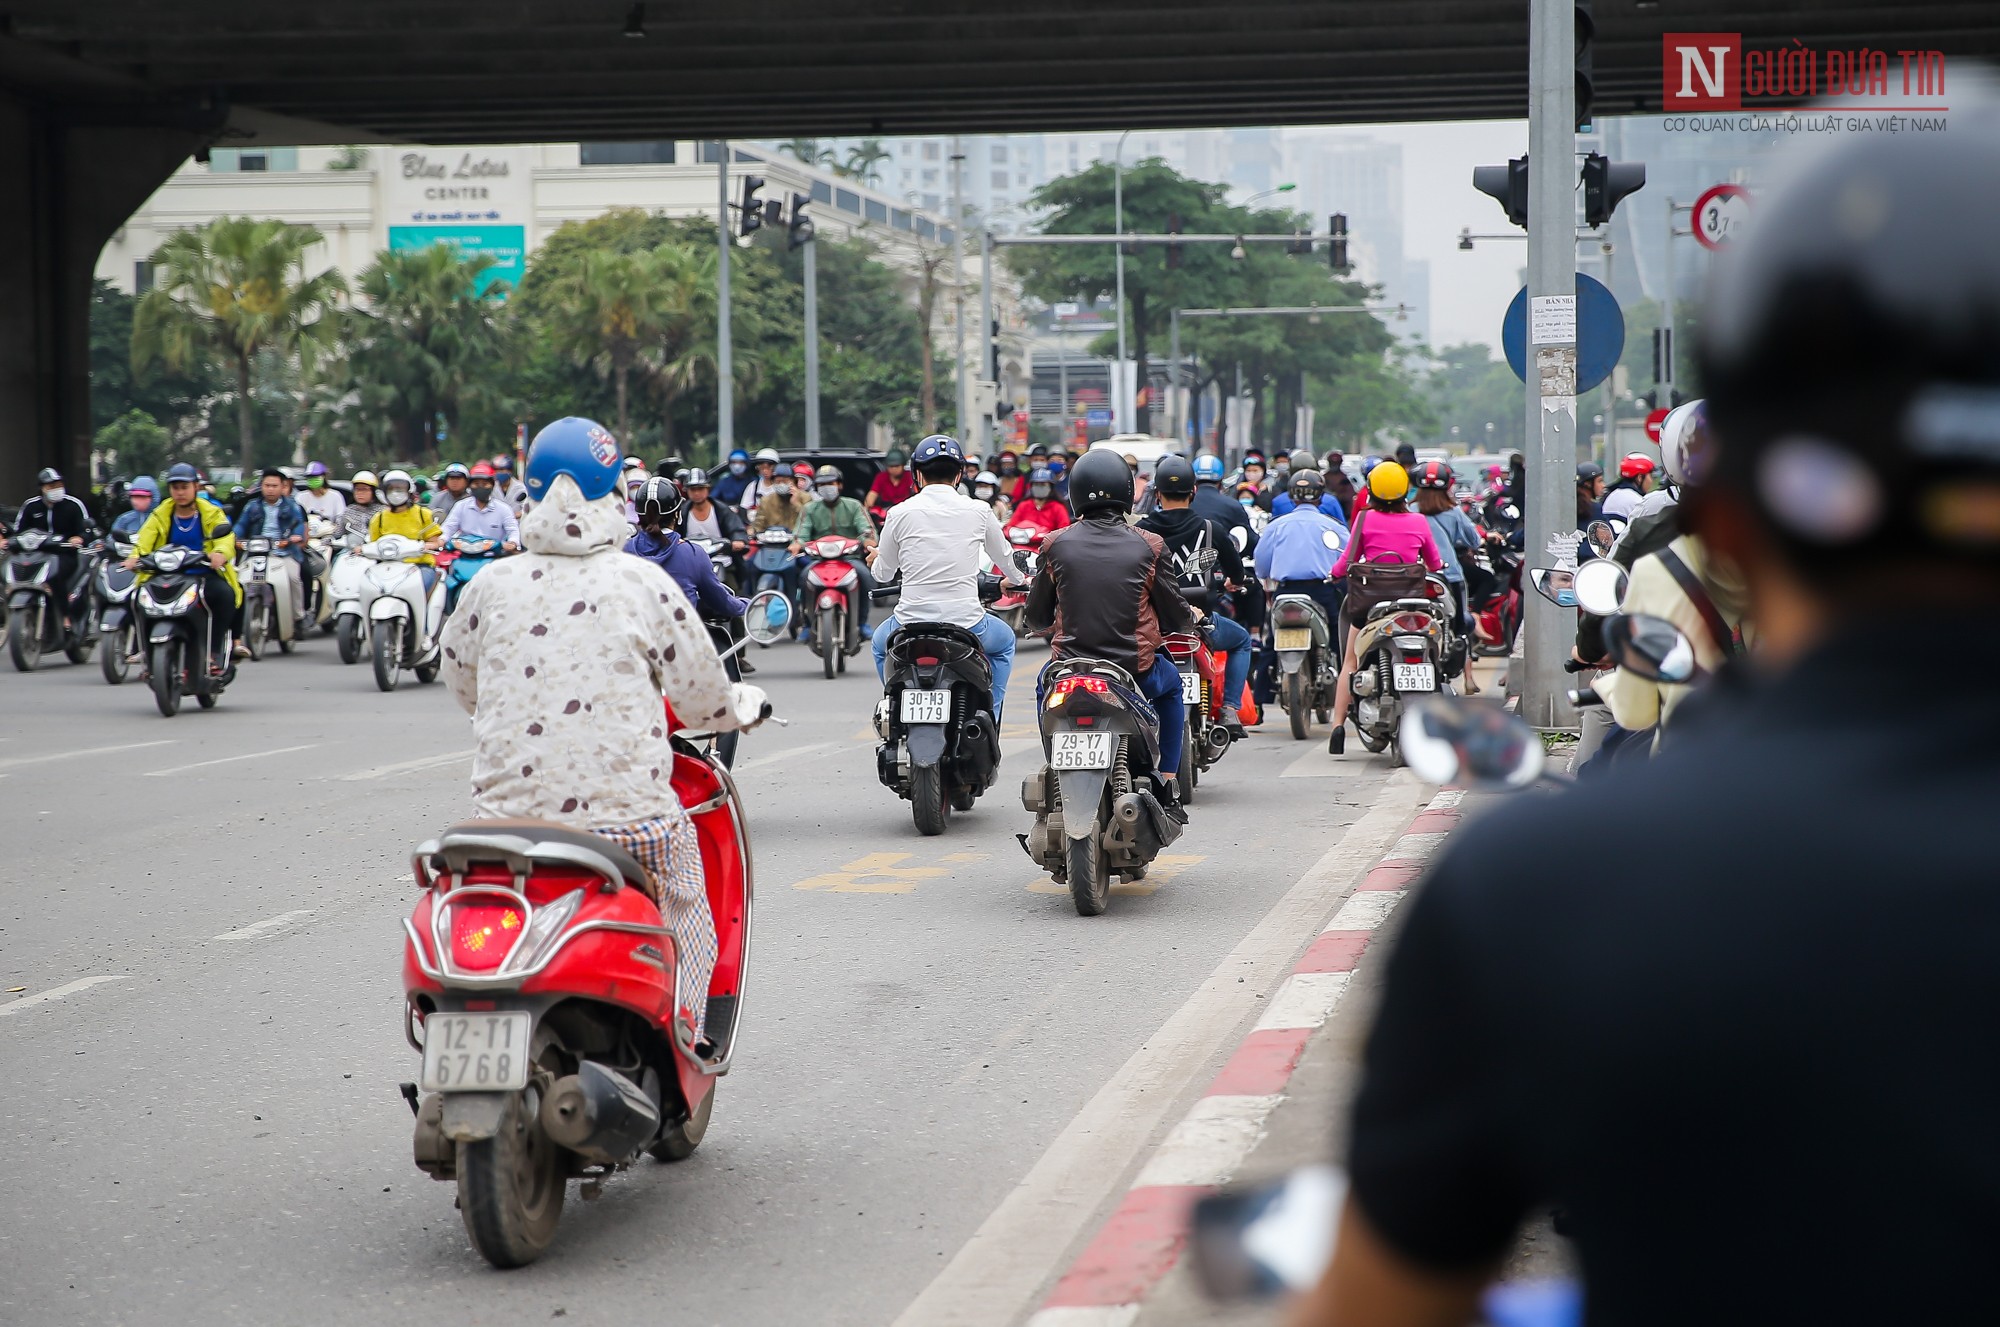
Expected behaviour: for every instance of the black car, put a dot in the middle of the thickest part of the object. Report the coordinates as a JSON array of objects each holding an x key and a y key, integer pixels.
[{"x": 857, "y": 469}]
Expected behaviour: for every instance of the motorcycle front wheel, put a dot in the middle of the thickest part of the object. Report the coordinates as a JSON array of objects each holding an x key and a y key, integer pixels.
[
  {"x": 256, "y": 630},
  {"x": 930, "y": 802},
  {"x": 827, "y": 641},
  {"x": 388, "y": 641},
  {"x": 347, "y": 635},
  {"x": 24, "y": 637},
  {"x": 114, "y": 655},
  {"x": 510, "y": 1187},
  {"x": 166, "y": 670},
  {"x": 1297, "y": 706}
]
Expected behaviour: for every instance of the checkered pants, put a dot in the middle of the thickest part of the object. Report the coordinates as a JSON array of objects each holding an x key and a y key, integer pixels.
[{"x": 669, "y": 849}]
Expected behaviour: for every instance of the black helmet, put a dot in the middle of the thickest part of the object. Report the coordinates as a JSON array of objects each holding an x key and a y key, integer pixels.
[
  {"x": 661, "y": 497},
  {"x": 49, "y": 475},
  {"x": 1099, "y": 481},
  {"x": 1851, "y": 349},
  {"x": 1173, "y": 477},
  {"x": 1307, "y": 487},
  {"x": 1588, "y": 472}
]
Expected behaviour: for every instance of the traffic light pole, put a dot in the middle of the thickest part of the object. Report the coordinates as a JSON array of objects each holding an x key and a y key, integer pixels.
[
  {"x": 725, "y": 381},
  {"x": 958, "y": 287},
  {"x": 812, "y": 345},
  {"x": 1551, "y": 404},
  {"x": 983, "y": 431}
]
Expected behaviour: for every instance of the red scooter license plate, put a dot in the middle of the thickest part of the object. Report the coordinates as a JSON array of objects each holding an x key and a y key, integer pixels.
[{"x": 476, "y": 1052}]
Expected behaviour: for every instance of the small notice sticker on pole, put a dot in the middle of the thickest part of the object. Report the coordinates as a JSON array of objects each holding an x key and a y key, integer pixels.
[{"x": 1552, "y": 320}]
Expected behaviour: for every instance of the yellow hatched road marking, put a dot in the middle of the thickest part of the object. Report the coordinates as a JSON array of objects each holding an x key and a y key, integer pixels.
[
  {"x": 876, "y": 873},
  {"x": 1164, "y": 868}
]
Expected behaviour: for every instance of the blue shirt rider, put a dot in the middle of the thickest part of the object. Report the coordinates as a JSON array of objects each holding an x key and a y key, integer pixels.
[
  {"x": 736, "y": 477},
  {"x": 145, "y": 491}
]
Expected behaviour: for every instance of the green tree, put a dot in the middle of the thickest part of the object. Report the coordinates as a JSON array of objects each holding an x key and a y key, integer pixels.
[
  {"x": 1466, "y": 389},
  {"x": 427, "y": 345},
  {"x": 609, "y": 309},
  {"x": 864, "y": 161},
  {"x": 177, "y": 401},
  {"x": 138, "y": 442},
  {"x": 811, "y": 151},
  {"x": 233, "y": 289}
]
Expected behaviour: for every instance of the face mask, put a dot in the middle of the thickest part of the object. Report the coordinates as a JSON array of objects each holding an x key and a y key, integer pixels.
[
  {"x": 397, "y": 497},
  {"x": 1040, "y": 492},
  {"x": 737, "y": 467},
  {"x": 54, "y": 493},
  {"x": 782, "y": 487},
  {"x": 482, "y": 493},
  {"x": 983, "y": 492},
  {"x": 1247, "y": 500},
  {"x": 828, "y": 492}
]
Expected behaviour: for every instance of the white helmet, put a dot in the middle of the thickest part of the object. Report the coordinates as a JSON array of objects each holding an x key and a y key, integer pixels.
[
  {"x": 391, "y": 481},
  {"x": 767, "y": 454},
  {"x": 1676, "y": 431},
  {"x": 985, "y": 479},
  {"x": 366, "y": 477}
]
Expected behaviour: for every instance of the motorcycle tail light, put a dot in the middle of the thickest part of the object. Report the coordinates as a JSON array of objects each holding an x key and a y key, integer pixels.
[
  {"x": 1433, "y": 590},
  {"x": 1412, "y": 622},
  {"x": 1095, "y": 685},
  {"x": 927, "y": 661},
  {"x": 483, "y": 934}
]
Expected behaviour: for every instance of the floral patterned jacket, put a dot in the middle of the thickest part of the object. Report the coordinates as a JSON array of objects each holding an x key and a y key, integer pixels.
[{"x": 561, "y": 656}]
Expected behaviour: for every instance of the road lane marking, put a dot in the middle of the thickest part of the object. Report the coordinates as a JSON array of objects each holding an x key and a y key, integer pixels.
[
  {"x": 224, "y": 760},
  {"x": 876, "y": 873},
  {"x": 265, "y": 927},
  {"x": 1020, "y": 1246},
  {"x": 966, "y": 856},
  {"x": 19, "y": 761},
  {"x": 405, "y": 766},
  {"x": 1164, "y": 868},
  {"x": 793, "y": 753},
  {"x": 57, "y": 993}
]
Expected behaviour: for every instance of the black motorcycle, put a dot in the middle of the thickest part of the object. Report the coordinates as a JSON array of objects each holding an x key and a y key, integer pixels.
[
  {"x": 118, "y": 643},
  {"x": 176, "y": 622},
  {"x": 940, "y": 740},
  {"x": 1096, "y": 809},
  {"x": 38, "y": 599}
]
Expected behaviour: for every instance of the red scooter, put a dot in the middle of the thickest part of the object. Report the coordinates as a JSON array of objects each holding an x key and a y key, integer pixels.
[
  {"x": 1012, "y": 605},
  {"x": 1204, "y": 739},
  {"x": 539, "y": 980},
  {"x": 834, "y": 587}
]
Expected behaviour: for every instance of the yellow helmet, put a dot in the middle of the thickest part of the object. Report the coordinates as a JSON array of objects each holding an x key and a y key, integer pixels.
[{"x": 1389, "y": 481}]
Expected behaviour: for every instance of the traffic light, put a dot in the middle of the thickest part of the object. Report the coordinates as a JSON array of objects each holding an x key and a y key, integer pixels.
[
  {"x": 1174, "y": 246},
  {"x": 750, "y": 212},
  {"x": 1336, "y": 249},
  {"x": 1508, "y": 184},
  {"x": 1586, "y": 80},
  {"x": 1663, "y": 354},
  {"x": 1606, "y": 183},
  {"x": 993, "y": 352},
  {"x": 802, "y": 225},
  {"x": 1300, "y": 243}
]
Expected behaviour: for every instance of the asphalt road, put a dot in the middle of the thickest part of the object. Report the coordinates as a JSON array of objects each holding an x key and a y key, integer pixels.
[{"x": 202, "y": 1123}]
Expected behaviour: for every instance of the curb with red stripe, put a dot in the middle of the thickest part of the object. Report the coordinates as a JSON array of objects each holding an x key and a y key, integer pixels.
[{"x": 1142, "y": 1239}]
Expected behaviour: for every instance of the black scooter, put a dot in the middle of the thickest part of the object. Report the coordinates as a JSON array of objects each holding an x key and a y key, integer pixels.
[
  {"x": 176, "y": 623},
  {"x": 940, "y": 740},
  {"x": 38, "y": 599}
]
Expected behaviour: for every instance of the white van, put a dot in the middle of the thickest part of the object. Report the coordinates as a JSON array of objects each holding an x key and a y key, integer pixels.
[{"x": 1147, "y": 448}]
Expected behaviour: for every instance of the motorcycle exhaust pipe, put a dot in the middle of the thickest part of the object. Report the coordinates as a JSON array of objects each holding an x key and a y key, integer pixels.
[
  {"x": 599, "y": 1114},
  {"x": 1129, "y": 808},
  {"x": 1218, "y": 740}
]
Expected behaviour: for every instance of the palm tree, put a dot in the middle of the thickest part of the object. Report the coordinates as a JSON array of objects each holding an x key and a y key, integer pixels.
[
  {"x": 608, "y": 308},
  {"x": 811, "y": 151},
  {"x": 233, "y": 289},
  {"x": 864, "y": 160},
  {"x": 930, "y": 261}
]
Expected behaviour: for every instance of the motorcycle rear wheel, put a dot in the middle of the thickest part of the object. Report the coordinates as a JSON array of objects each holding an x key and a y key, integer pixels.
[
  {"x": 256, "y": 630},
  {"x": 388, "y": 644},
  {"x": 77, "y": 648},
  {"x": 166, "y": 671},
  {"x": 1297, "y": 706},
  {"x": 347, "y": 634},
  {"x": 285, "y": 644},
  {"x": 428, "y": 672},
  {"x": 1190, "y": 767},
  {"x": 511, "y": 1187},
  {"x": 930, "y": 802},
  {"x": 677, "y": 1142},
  {"x": 113, "y": 655},
  {"x": 24, "y": 638},
  {"x": 1089, "y": 873},
  {"x": 827, "y": 642}
]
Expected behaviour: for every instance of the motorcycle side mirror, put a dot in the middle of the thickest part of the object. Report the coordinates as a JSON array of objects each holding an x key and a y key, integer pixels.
[
  {"x": 1601, "y": 536},
  {"x": 766, "y": 616},
  {"x": 1511, "y": 512},
  {"x": 1276, "y": 1238},
  {"x": 1470, "y": 742},
  {"x": 1026, "y": 563},
  {"x": 1555, "y": 584},
  {"x": 1650, "y": 647},
  {"x": 1600, "y": 587},
  {"x": 1330, "y": 539},
  {"x": 1239, "y": 537}
]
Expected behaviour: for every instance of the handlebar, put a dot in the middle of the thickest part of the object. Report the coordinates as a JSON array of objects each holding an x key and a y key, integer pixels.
[{"x": 1585, "y": 697}]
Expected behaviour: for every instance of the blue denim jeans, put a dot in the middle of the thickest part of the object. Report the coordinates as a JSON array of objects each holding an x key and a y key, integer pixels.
[
  {"x": 995, "y": 637},
  {"x": 1228, "y": 634},
  {"x": 1162, "y": 687}
]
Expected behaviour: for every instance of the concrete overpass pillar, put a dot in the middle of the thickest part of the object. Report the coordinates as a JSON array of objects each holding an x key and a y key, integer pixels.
[{"x": 69, "y": 177}]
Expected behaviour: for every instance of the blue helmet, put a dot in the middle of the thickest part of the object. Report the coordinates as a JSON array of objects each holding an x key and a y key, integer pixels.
[
  {"x": 1208, "y": 468},
  {"x": 583, "y": 449},
  {"x": 936, "y": 447},
  {"x": 1040, "y": 475},
  {"x": 181, "y": 471},
  {"x": 739, "y": 455},
  {"x": 145, "y": 484}
]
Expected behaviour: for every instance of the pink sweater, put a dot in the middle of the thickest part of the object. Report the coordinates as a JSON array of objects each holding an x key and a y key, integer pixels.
[{"x": 1388, "y": 536}]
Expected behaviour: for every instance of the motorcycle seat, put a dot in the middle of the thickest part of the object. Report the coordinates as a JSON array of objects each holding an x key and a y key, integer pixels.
[{"x": 519, "y": 844}]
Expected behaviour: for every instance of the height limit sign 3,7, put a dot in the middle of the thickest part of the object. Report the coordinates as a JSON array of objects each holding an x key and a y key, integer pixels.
[
  {"x": 1719, "y": 215},
  {"x": 1593, "y": 319}
]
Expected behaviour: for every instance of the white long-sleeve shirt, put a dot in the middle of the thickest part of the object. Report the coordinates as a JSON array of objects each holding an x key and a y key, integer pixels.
[{"x": 941, "y": 540}]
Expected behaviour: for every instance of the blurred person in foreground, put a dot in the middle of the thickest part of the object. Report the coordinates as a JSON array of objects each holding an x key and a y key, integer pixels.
[{"x": 1749, "y": 1065}]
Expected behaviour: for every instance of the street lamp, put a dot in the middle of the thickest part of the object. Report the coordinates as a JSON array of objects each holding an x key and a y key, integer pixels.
[
  {"x": 1281, "y": 189},
  {"x": 1239, "y": 253}
]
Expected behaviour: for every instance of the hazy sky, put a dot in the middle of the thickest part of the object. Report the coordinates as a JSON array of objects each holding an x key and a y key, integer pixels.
[{"x": 1469, "y": 291}]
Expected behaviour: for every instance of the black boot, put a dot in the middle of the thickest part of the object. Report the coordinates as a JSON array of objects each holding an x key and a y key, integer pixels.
[
  {"x": 1170, "y": 797},
  {"x": 1337, "y": 743}
]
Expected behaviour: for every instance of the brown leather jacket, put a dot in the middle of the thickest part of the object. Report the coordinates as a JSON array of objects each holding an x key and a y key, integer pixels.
[{"x": 1106, "y": 591}]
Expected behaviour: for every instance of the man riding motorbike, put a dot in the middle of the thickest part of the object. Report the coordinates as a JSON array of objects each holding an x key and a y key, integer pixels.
[
  {"x": 833, "y": 514},
  {"x": 771, "y": 477},
  {"x": 565, "y": 705},
  {"x": 144, "y": 495},
  {"x": 1635, "y": 481},
  {"x": 1106, "y": 591},
  {"x": 894, "y": 485},
  {"x": 1188, "y": 537},
  {"x": 482, "y": 515},
  {"x": 735, "y": 478},
  {"x": 193, "y": 522},
  {"x": 55, "y": 510},
  {"x": 939, "y": 541},
  {"x": 274, "y": 516},
  {"x": 1211, "y": 503},
  {"x": 1041, "y": 511},
  {"x": 452, "y": 482},
  {"x": 705, "y": 516},
  {"x": 1589, "y": 493}
]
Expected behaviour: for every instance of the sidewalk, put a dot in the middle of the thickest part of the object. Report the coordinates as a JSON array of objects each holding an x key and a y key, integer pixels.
[{"x": 1277, "y": 1103}]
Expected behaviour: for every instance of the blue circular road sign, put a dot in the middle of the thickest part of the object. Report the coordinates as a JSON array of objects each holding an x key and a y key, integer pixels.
[{"x": 1600, "y": 333}]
